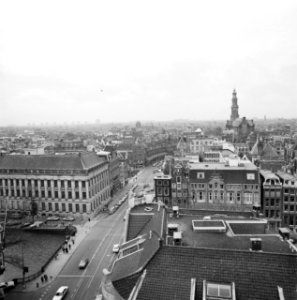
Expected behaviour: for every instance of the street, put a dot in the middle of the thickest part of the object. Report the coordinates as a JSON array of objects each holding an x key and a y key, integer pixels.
[{"x": 97, "y": 247}]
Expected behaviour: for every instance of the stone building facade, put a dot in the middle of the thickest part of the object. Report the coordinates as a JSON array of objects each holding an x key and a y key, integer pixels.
[
  {"x": 224, "y": 187},
  {"x": 58, "y": 184}
]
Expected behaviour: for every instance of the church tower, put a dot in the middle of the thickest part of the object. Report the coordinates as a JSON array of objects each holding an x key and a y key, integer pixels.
[{"x": 234, "y": 107}]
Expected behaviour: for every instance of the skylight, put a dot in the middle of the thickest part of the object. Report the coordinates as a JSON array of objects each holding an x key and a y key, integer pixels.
[{"x": 218, "y": 291}]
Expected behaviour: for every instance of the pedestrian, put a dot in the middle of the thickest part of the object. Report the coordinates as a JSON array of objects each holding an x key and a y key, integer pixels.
[
  {"x": 73, "y": 241},
  {"x": 66, "y": 250},
  {"x": 45, "y": 278},
  {"x": 42, "y": 279}
]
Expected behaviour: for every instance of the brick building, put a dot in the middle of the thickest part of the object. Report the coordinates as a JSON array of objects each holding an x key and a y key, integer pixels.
[
  {"x": 271, "y": 198},
  {"x": 289, "y": 200},
  {"x": 163, "y": 188}
]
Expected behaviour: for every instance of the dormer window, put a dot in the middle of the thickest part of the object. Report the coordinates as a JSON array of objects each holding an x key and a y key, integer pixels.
[{"x": 218, "y": 291}]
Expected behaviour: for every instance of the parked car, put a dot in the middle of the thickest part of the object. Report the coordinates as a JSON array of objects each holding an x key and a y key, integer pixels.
[
  {"x": 68, "y": 219},
  {"x": 7, "y": 285},
  {"x": 53, "y": 218},
  {"x": 116, "y": 248},
  {"x": 26, "y": 224},
  {"x": 148, "y": 209},
  {"x": 83, "y": 263},
  {"x": 61, "y": 292}
]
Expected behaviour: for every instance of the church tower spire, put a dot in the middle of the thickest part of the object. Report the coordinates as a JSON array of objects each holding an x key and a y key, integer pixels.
[{"x": 234, "y": 107}]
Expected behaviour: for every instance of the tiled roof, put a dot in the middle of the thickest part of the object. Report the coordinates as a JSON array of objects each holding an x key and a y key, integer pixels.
[
  {"x": 82, "y": 161},
  {"x": 256, "y": 275},
  {"x": 229, "y": 175},
  {"x": 136, "y": 224},
  {"x": 125, "y": 286},
  {"x": 269, "y": 152}
]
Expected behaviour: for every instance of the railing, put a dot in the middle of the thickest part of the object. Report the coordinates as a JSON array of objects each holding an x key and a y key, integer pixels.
[{"x": 292, "y": 247}]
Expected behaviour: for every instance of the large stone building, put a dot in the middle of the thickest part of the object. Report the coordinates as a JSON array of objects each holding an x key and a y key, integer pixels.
[
  {"x": 58, "y": 184},
  {"x": 241, "y": 127},
  {"x": 224, "y": 187}
]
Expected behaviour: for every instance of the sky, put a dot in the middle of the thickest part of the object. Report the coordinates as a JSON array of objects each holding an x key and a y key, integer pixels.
[{"x": 121, "y": 61}]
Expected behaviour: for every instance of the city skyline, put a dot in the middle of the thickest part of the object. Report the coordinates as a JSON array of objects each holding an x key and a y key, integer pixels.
[{"x": 120, "y": 62}]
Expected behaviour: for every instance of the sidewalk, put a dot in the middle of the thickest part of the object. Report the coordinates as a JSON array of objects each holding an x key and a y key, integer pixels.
[{"x": 56, "y": 265}]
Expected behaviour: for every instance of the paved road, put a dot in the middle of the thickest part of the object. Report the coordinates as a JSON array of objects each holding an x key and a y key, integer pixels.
[{"x": 97, "y": 246}]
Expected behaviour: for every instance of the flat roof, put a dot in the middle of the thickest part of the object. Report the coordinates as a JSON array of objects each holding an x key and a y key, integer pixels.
[{"x": 226, "y": 240}]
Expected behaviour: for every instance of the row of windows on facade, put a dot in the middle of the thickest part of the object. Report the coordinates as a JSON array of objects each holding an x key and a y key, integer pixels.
[
  {"x": 290, "y": 220},
  {"x": 290, "y": 208},
  {"x": 45, "y": 172},
  {"x": 49, "y": 206},
  {"x": 63, "y": 183},
  {"x": 222, "y": 186},
  {"x": 50, "y": 193},
  {"x": 272, "y": 214},
  {"x": 290, "y": 191},
  {"x": 272, "y": 202},
  {"x": 229, "y": 196},
  {"x": 249, "y": 176}
]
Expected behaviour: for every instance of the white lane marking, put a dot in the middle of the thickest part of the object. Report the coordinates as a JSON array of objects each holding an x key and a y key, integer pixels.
[
  {"x": 107, "y": 249},
  {"x": 77, "y": 276},
  {"x": 98, "y": 248}
]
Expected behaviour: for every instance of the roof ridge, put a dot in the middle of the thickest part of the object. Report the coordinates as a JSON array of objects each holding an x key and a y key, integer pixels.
[{"x": 233, "y": 250}]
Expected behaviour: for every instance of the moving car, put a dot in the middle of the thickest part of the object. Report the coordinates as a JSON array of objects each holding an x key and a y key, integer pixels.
[
  {"x": 61, "y": 292},
  {"x": 116, "y": 248},
  {"x": 83, "y": 263}
]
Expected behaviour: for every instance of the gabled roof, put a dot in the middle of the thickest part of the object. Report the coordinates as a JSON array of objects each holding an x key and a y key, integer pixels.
[
  {"x": 81, "y": 161},
  {"x": 269, "y": 152}
]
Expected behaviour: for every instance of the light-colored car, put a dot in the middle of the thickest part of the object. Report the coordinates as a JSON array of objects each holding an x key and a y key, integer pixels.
[
  {"x": 148, "y": 209},
  {"x": 116, "y": 248},
  {"x": 7, "y": 285},
  {"x": 53, "y": 218},
  {"x": 61, "y": 292},
  {"x": 83, "y": 263},
  {"x": 68, "y": 219}
]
